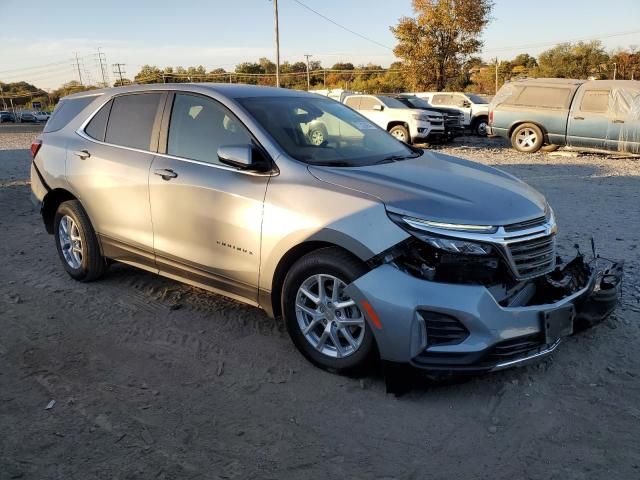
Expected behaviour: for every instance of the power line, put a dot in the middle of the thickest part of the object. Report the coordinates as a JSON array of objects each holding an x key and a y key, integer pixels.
[{"x": 342, "y": 26}]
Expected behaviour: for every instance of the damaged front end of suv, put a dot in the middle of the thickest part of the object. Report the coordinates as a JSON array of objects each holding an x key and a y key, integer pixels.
[{"x": 479, "y": 298}]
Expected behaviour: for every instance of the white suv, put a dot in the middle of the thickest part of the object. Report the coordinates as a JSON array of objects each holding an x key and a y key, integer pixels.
[
  {"x": 474, "y": 107},
  {"x": 404, "y": 123}
]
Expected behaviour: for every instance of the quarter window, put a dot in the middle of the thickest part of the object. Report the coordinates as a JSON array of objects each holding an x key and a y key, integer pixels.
[
  {"x": 596, "y": 101},
  {"x": 98, "y": 124},
  {"x": 131, "y": 120},
  {"x": 199, "y": 126}
]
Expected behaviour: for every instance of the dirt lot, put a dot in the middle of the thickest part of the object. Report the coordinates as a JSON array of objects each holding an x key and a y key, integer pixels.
[{"x": 152, "y": 379}]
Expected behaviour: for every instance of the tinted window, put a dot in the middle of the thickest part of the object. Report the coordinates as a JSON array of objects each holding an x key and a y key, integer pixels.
[
  {"x": 547, "y": 97},
  {"x": 98, "y": 124},
  {"x": 392, "y": 102},
  {"x": 131, "y": 120},
  {"x": 353, "y": 102},
  {"x": 66, "y": 111},
  {"x": 199, "y": 126},
  {"x": 478, "y": 100},
  {"x": 367, "y": 103},
  {"x": 596, "y": 101}
]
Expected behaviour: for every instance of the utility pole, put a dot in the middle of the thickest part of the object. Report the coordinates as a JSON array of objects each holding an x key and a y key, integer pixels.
[
  {"x": 275, "y": 18},
  {"x": 118, "y": 69},
  {"x": 78, "y": 65},
  {"x": 615, "y": 70},
  {"x": 324, "y": 78},
  {"x": 496, "y": 75},
  {"x": 307, "y": 56},
  {"x": 102, "y": 58},
  {"x": 4, "y": 104}
]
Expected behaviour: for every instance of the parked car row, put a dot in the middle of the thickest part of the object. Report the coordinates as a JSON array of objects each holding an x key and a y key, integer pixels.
[
  {"x": 24, "y": 117},
  {"x": 546, "y": 113}
]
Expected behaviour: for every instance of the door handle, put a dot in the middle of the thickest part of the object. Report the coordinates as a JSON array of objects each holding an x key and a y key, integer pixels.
[
  {"x": 578, "y": 118},
  {"x": 618, "y": 121},
  {"x": 166, "y": 173},
  {"x": 82, "y": 154}
]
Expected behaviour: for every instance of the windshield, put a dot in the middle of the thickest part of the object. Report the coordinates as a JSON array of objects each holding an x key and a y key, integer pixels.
[
  {"x": 417, "y": 102},
  {"x": 391, "y": 102},
  {"x": 477, "y": 99},
  {"x": 321, "y": 131}
]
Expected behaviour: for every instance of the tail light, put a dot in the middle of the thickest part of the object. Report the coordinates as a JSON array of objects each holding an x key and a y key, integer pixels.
[
  {"x": 35, "y": 147},
  {"x": 490, "y": 117}
]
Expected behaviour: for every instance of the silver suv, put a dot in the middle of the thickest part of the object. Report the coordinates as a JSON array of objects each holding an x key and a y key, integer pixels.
[{"x": 367, "y": 248}]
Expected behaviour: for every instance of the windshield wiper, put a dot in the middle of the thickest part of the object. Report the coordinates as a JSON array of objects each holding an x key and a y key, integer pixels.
[{"x": 396, "y": 158}]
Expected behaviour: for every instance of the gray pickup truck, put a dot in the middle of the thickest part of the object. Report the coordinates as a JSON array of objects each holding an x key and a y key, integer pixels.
[{"x": 546, "y": 113}]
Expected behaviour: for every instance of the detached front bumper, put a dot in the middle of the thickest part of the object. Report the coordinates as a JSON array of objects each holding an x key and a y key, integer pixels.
[{"x": 474, "y": 332}]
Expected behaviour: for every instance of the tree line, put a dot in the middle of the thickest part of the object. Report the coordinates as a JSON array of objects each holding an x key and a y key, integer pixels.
[{"x": 437, "y": 49}]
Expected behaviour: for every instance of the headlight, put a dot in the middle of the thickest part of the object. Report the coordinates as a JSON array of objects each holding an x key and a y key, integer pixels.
[
  {"x": 423, "y": 229},
  {"x": 420, "y": 117}
]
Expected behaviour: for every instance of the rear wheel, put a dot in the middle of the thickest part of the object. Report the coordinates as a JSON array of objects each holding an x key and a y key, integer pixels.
[
  {"x": 527, "y": 138},
  {"x": 324, "y": 323},
  {"x": 77, "y": 243},
  {"x": 401, "y": 133}
]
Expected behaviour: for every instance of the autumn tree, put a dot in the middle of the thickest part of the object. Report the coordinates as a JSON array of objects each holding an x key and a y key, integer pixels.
[
  {"x": 574, "y": 60},
  {"x": 443, "y": 35}
]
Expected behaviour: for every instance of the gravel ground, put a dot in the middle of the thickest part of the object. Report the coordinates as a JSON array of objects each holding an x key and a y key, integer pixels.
[{"x": 153, "y": 379}]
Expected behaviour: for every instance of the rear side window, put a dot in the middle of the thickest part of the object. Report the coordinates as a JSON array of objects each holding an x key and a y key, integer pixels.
[
  {"x": 546, "y": 97},
  {"x": 596, "y": 101},
  {"x": 199, "y": 126},
  {"x": 66, "y": 111},
  {"x": 131, "y": 120},
  {"x": 98, "y": 124}
]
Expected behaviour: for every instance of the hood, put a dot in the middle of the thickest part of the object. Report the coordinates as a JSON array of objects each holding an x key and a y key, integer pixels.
[{"x": 442, "y": 188}]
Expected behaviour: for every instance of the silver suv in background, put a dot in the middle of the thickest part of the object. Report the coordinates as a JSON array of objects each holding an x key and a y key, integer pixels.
[
  {"x": 546, "y": 113},
  {"x": 474, "y": 107},
  {"x": 367, "y": 247},
  {"x": 407, "y": 125}
]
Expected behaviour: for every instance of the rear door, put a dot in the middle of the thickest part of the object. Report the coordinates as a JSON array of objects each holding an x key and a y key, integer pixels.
[
  {"x": 207, "y": 217},
  {"x": 588, "y": 121},
  {"x": 108, "y": 167}
]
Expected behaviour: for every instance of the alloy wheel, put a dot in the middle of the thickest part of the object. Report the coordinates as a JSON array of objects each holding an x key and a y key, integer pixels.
[
  {"x": 328, "y": 319},
  {"x": 70, "y": 241},
  {"x": 526, "y": 138}
]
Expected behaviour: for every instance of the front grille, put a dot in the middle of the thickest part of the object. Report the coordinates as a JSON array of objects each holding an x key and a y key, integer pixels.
[
  {"x": 443, "y": 329},
  {"x": 536, "y": 222},
  {"x": 532, "y": 258}
]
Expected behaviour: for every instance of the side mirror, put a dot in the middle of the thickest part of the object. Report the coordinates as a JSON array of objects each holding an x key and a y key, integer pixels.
[
  {"x": 466, "y": 104},
  {"x": 378, "y": 108},
  {"x": 238, "y": 156}
]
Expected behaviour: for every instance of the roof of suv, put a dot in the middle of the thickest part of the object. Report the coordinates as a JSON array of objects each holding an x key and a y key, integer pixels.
[{"x": 232, "y": 90}]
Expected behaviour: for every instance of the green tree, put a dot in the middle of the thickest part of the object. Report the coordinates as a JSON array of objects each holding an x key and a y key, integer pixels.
[
  {"x": 436, "y": 43},
  {"x": 574, "y": 60}
]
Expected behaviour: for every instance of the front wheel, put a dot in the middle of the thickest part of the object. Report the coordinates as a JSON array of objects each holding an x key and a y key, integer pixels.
[
  {"x": 324, "y": 323},
  {"x": 401, "y": 133},
  {"x": 480, "y": 126}
]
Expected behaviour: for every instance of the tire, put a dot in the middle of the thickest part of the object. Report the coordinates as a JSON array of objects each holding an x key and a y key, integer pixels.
[
  {"x": 480, "y": 126},
  {"x": 328, "y": 264},
  {"x": 401, "y": 133},
  {"x": 549, "y": 148},
  {"x": 71, "y": 227},
  {"x": 527, "y": 138},
  {"x": 317, "y": 136}
]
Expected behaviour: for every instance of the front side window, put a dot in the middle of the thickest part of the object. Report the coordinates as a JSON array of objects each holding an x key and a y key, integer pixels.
[
  {"x": 131, "y": 120},
  {"x": 320, "y": 131},
  {"x": 595, "y": 101},
  {"x": 199, "y": 126},
  {"x": 367, "y": 103}
]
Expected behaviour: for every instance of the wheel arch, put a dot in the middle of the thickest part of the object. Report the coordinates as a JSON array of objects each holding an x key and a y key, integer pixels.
[
  {"x": 50, "y": 204},
  {"x": 517, "y": 123},
  {"x": 292, "y": 256},
  {"x": 395, "y": 123}
]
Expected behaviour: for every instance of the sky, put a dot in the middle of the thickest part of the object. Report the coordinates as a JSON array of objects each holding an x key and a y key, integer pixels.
[{"x": 222, "y": 33}]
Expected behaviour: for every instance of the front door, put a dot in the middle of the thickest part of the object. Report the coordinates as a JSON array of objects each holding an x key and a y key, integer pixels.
[
  {"x": 207, "y": 217},
  {"x": 588, "y": 121}
]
